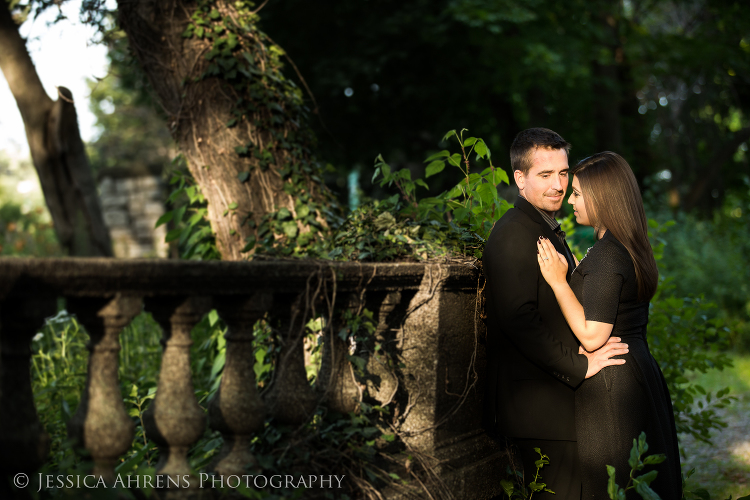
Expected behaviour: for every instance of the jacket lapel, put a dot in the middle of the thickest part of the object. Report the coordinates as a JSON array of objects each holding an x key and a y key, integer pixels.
[{"x": 527, "y": 208}]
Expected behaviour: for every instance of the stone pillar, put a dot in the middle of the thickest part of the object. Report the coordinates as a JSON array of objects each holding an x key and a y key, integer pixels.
[
  {"x": 336, "y": 378},
  {"x": 101, "y": 425},
  {"x": 444, "y": 362},
  {"x": 290, "y": 399},
  {"x": 175, "y": 420},
  {"x": 236, "y": 410},
  {"x": 23, "y": 441}
]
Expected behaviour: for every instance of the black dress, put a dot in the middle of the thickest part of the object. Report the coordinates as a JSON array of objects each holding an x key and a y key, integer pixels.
[{"x": 615, "y": 405}]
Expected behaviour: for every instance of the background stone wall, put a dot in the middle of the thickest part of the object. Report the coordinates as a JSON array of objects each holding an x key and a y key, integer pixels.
[{"x": 131, "y": 207}]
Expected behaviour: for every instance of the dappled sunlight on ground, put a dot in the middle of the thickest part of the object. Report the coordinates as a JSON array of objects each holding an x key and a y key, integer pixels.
[
  {"x": 723, "y": 467},
  {"x": 742, "y": 451}
]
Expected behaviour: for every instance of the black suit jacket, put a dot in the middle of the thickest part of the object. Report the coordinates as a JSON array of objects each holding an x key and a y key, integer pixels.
[{"x": 533, "y": 365}]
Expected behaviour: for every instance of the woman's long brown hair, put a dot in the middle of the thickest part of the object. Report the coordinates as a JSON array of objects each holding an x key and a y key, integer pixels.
[{"x": 613, "y": 200}]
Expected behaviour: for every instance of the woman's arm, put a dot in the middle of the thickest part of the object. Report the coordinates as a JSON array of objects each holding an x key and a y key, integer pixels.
[{"x": 591, "y": 334}]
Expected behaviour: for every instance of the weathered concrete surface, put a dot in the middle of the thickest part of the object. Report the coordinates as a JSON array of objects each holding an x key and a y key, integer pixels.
[{"x": 427, "y": 317}]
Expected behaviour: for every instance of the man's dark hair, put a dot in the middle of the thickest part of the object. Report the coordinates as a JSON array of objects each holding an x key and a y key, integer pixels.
[{"x": 527, "y": 141}]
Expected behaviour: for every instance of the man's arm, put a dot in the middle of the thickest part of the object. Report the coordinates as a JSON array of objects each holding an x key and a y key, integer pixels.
[
  {"x": 602, "y": 357},
  {"x": 513, "y": 274}
]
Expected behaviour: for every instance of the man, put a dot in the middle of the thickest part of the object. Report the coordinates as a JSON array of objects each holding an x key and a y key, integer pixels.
[{"x": 533, "y": 360}]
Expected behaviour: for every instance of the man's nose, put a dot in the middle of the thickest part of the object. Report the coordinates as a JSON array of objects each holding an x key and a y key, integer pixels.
[{"x": 556, "y": 183}]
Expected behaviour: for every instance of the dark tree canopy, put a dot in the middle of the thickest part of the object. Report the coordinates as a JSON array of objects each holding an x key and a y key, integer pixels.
[{"x": 665, "y": 83}]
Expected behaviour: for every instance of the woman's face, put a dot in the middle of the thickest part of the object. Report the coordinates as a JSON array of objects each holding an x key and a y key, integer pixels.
[{"x": 579, "y": 207}]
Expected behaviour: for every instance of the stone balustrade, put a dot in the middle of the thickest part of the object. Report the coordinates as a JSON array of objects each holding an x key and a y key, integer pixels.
[{"x": 427, "y": 313}]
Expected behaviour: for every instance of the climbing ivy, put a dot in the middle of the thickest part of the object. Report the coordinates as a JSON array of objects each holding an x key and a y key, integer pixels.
[
  {"x": 403, "y": 226},
  {"x": 187, "y": 223},
  {"x": 406, "y": 226},
  {"x": 270, "y": 116}
]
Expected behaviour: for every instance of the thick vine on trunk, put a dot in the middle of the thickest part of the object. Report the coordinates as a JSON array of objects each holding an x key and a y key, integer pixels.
[
  {"x": 56, "y": 149},
  {"x": 238, "y": 122}
]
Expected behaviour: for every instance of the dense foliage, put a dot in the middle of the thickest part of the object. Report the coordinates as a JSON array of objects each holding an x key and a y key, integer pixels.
[{"x": 664, "y": 83}]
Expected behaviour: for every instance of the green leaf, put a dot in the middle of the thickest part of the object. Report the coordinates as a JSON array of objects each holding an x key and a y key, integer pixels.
[
  {"x": 442, "y": 154},
  {"x": 508, "y": 487},
  {"x": 645, "y": 491},
  {"x": 647, "y": 477},
  {"x": 455, "y": 159},
  {"x": 232, "y": 206},
  {"x": 654, "y": 459},
  {"x": 173, "y": 235},
  {"x": 386, "y": 169},
  {"x": 460, "y": 214},
  {"x": 303, "y": 211},
  {"x": 487, "y": 192},
  {"x": 457, "y": 190},
  {"x": 499, "y": 175},
  {"x": 290, "y": 228},
  {"x": 612, "y": 487},
  {"x": 250, "y": 244},
  {"x": 469, "y": 141},
  {"x": 448, "y": 135},
  {"x": 283, "y": 214},
  {"x": 634, "y": 458},
  {"x": 482, "y": 150},
  {"x": 534, "y": 486},
  {"x": 435, "y": 167},
  {"x": 420, "y": 182},
  {"x": 166, "y": 217},
  {"x": 213, "y": 317},
  {"x": 642, "y": 444},
  {"x": 243, "y": 176},
  {"x": 703, "y": 494}
]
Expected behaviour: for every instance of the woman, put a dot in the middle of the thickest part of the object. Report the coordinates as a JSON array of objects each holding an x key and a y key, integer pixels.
[{"x": 608, "y": 295}]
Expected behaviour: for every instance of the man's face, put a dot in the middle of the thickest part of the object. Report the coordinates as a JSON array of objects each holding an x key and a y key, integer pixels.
[{"x": 545, "y": 184}]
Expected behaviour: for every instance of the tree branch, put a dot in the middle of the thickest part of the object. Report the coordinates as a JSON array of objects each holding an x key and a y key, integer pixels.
[{"x": 18, "y": 68}]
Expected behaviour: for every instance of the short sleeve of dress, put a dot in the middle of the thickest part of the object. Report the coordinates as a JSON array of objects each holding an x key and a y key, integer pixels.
[{"x": 602, "y": 285}]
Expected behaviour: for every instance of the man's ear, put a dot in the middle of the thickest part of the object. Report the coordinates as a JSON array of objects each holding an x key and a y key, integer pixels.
[{"x": 520, "y": 179}]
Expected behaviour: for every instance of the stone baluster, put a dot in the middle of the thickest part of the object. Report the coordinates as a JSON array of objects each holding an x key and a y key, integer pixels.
[
  {"x": 101, "y": 424},
  {"x": 336, "y": 379},
  {"x": 290, "y": 399},
  {"x": 23, "y": 441},
  {"x": 388, "y": 310},
  {"x": 175, "y": 420},
  {"x": 236, "y": 410}
]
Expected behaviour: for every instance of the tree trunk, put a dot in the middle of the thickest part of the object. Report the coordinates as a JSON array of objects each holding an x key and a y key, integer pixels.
[
  {"x": 56, "y": 149},
  {"x": 238, "y": 122}
]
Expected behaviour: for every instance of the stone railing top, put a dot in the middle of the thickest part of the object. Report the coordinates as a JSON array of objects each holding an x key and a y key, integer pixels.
[{"x": 75, "y": 276}]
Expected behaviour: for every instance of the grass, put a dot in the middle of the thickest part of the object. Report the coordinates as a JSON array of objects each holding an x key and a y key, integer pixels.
[{"x": 723, "y": 467}]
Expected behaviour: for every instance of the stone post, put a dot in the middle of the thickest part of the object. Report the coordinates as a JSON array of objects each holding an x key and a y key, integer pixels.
[
  {"x": 237, "y": 410},
  {"x": 101, "y": 424},
  {"x": 175, "y": 420},
  {"x": 290, "y": 399}
]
